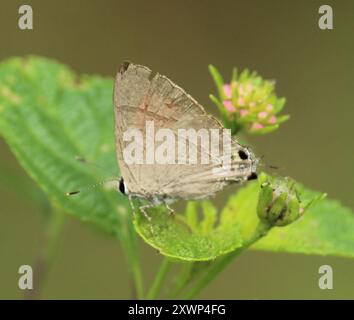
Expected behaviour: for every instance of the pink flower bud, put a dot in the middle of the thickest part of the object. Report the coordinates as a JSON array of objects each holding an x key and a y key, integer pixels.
[
  {"x": 240, "y": 101},
  {"x": 269, "y": 107},
  {"x": 241, "y": 90},
  {"x": 244, "y": 112},
  {"x": 272, "y": 120},
  {"x": 229, "y": 106},
  {"x": 262, "y": 115},
  {"x": 249, "y": 87},
  {"x": 227, "y": 91},
  {"x": 257, "y": 126}
]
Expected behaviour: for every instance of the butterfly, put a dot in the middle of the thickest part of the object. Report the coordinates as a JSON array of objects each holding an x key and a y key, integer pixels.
[{"x": 142, "y": 98}]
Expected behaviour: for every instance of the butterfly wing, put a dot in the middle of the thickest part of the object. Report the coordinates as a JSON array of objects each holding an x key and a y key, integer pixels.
[{"x": 140, "y": 96}]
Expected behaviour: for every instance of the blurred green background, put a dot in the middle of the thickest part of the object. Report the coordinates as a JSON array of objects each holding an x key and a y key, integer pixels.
[{"x": 281, "y": 40}]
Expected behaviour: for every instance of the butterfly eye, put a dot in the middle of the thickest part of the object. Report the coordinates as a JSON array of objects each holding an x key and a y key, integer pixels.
[
  {"x": 243, "y": 154},
  {"x": 121, "y": 186}
]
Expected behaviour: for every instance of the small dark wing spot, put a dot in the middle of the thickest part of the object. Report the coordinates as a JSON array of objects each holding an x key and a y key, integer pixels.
[
  {"x": 243, "y": 155},
  {"x": 252, "y": 176}
]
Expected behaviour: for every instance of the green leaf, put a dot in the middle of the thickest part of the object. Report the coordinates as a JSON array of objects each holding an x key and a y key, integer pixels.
[
  {"x": 279, "y": 105},
  {"x": 326, "y": 228},
  {"x": 48, "y": 116},
  {"x": 234, "y": 75},
  {"x": 219, "y": 82},
  {"x": 221, "y": 107},
  {"x": 265, "y": 130},
  {"x": 283, "y": 118},
  {"x": 196, "y": 235}
]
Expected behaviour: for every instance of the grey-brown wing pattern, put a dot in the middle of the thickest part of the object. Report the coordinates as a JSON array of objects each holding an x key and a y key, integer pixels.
[{"x": 139, "y": 97}]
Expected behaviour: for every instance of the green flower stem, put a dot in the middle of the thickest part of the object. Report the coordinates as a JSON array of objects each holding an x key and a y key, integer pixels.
[
  {"x": 44, "y": 259},
  {"x": 130, "y": 248},
  {"x": 159, "y": 278},
  {"x": 182, "y": 279},
  {"x": 138, "y": 280},
  {"x": 215, "y": 268}
]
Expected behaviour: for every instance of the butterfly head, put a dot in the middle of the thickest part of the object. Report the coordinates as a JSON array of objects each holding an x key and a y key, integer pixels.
[{"x": 247, "y": 161}]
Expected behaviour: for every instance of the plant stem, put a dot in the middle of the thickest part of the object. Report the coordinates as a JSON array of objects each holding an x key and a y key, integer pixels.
[
  {"x": 129, "y": 244},
  {"x": 138, "y": 280},
  {"x": 182, "y": 279},
  {"x": 44, "y": 258},
  {"x": 215, "y": 268},
  {"x": 159, "y": 278}
]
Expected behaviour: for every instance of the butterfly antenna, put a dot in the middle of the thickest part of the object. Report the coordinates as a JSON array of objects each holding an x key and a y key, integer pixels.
[
  {"x": 109, "y": 183},
  {"x": 270, "y": 166},
  {"x": 71, "y": 193}
]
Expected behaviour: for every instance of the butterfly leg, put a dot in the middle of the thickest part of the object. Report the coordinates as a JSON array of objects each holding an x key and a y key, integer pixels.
[
  {"x": 143, "y": 210},
  {"x": 132, "y": 205},
  {"x": 171, "y": 212}
]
